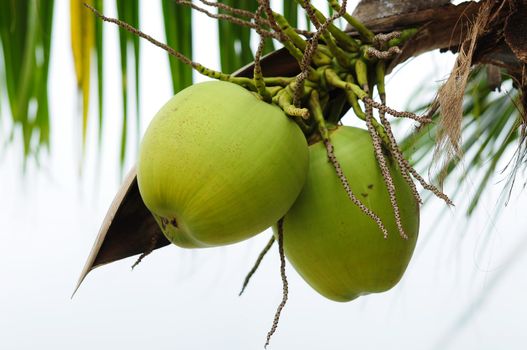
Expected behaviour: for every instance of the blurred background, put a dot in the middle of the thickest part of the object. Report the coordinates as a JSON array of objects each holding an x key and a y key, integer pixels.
[{"x": 464, "y": 288}]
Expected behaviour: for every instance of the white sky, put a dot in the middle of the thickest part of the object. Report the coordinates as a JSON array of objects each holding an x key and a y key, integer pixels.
[{"x": 187, "y": 299}]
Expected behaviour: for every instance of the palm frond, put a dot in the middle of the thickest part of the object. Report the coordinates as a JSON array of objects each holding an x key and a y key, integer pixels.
[
  {"x": 128, "y": 11},
  {"x": 82, "y": 43},
  {"x": 45, "y": 13},
  {"x": 234, "y": 41},
  {"x": 25, "y": 34},
  {"x": 99, "y": 44},
  {"x": 178, "y": 31},
  {"x": 290, "y": 11}
]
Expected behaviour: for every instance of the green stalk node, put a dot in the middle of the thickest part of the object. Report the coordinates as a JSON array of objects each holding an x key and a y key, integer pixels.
[
  {"x": 403, "y": 38},
  {"x": 333, "y": 79},
  {"x": 316, "y": 110},
  {"x": 361, "y": 70}
]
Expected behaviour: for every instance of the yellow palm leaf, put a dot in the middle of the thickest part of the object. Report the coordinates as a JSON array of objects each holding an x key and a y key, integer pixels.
[{"x": 82, "y": 43}]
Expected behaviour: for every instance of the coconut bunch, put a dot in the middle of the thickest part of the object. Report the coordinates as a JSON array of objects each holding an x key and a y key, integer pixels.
[{"x": 224, "y": 160}]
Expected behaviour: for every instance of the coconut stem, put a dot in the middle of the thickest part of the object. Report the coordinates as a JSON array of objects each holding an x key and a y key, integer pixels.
[
  {"x": 333, "y": 79},
  {"x": 280, "y": 81},
  {"x": 361, "y": 71},
  {"x": 285, "y": 101},
  {"x": 256, "y": 264}
]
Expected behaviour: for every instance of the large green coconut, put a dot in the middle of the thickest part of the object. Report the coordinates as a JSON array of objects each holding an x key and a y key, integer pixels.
[
  {"x": 217, "y": 165},
  {"x": 336, "y": 248}
]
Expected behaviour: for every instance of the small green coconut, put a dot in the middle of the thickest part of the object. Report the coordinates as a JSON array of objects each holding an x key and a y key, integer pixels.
[
  {"x": 217, "y": 165},
  {"x": 336, "y": 248}
]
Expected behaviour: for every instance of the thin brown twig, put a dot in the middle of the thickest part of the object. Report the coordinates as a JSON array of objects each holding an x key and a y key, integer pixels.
[
  {"x": 388, "y": 180},
  {"x": 261, "y": 44},
  {"x": 249, "y": 14},
  {"x": 305, "y": 33},
  {"x": 239, "y": 12},
  {"x": 397, "y": 153},
  {"x": 285, "y": 285},
  {"x": 310, "y": 11},
  {"x": 257, "y": 71},
  {"x": 383, "y": 55},
  {"x": 236, "y": 20},
  {"x": 380, "y": 39},
  {"x": 426, "y": 185},
  {"x": 404, "y": 164},
  {"x": 344, "y": 181},
  {"x": 227, "y": 8},
  {"x": 149, "y": 249},
  {"x": 256, "y": 264},
  {"x": 272, "y": 22},
  {"x": 137, "y": 32},
  {"x": 197, "y": 66},
  {"x": 316, "y": 109},
  {"x": 381, "y": 107}
]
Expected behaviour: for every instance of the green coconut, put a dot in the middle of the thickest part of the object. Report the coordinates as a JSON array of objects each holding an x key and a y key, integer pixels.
[
  {"x": 217, "y": 165},
  {"x": 335, "y": 247}
]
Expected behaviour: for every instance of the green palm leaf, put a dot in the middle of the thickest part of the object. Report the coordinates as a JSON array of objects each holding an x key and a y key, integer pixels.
[
  {"x": 128, "y": 11},
  {"x": 99, "y": 44},
  {"x": 178, "y": 31},
  {"x": 25, "y": 32}
]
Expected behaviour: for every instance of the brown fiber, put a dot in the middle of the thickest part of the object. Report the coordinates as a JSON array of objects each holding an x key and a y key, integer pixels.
[{"x": 450, "y": 95}]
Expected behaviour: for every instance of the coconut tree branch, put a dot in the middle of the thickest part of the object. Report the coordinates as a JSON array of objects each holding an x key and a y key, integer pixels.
[{"x": 442, "y": 26}]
